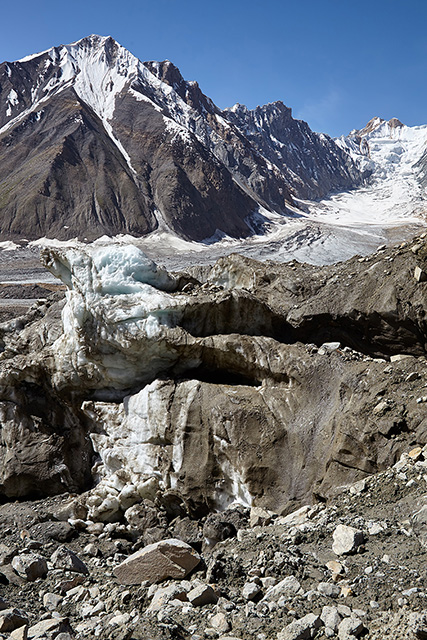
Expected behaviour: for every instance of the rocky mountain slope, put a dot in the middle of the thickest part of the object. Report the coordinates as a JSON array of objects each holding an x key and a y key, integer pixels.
[{"x": 127, "y": 147}]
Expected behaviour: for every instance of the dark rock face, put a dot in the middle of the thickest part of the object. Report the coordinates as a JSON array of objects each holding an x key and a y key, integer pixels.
[
  {"x": 94, "y": 142},
  {"x": 312, "y": 164},
  {"x": 62, "y": 162},
  {"x": 44, "y": 448}
]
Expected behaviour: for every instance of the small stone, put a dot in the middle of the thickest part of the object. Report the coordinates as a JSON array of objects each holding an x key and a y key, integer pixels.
[
  {"x": 49, "y": 628},
  {"x": 300, "y": 516},
  {"x": 259, "y": 517},
  {"x": 250, "y": 591},
  {"x": 19, "y": 634},
  {"x": 64, "y": 558},
  {"x": 201, "y": 595},
  {"x": 335, "y": 567},
  {"x": 66, "y": 585},
  {"x": 416, "y": 453},
  {"x": 349, "y": 628},
  {"x": 420, "y": 275},
  {"x": 328, "y": 347},
  {"x": 346, "y": 539},
  {"x": 328, "y": 589},
  {"x": 330, "y": 617},
  {"x": 30, "y": 566},
  {"x": 51, "y": 601},
  {"x": 360, "y": 486},
  {"x": 410, "y": 592},
  {"x": 301, "y": 629},
  {"x": 381, "y": 407},
  {"x": 95, "y": 528},
  {"x": 119, "y": 620},
  {"x": 78, "y": 524},
  {"x": 220, "y": 623},
  {"x": 346, "y": 591},
  {"x": 375, "y": 528},
  {"x": 268, "y": 582},
  {"x": 289, "y": 586},
  {"x": 92, "y": 550},
  {"x": 78, "y": 594},
  {"x": 163, "y": 595}
]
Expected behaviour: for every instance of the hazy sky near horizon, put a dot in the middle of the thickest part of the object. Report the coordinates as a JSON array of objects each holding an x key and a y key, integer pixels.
[{"x": 336, "y": 63}]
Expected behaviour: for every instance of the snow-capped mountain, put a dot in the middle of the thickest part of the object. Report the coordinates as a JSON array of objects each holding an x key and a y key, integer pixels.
[
  {"x": 394, "y": 156},
  {"x": 93, "y": 141}
]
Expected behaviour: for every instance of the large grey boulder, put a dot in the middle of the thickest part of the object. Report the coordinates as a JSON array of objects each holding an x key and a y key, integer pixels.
[
  {"x": 30, "y": 566},
  {"x": 64, "y": 558},
  {"x": 169, "y": 558}
]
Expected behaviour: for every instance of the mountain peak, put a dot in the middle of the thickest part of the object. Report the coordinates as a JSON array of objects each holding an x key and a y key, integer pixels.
[
  {"x": 375, "y": 123},
  {"x": 167, "y": 72}
]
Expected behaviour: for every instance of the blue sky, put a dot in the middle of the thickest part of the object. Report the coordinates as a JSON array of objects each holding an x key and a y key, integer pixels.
[{"x": 337, "y": 63}]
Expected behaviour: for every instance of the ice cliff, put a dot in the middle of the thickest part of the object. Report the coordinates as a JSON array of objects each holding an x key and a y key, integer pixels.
[{"x": 197, "y": 389}]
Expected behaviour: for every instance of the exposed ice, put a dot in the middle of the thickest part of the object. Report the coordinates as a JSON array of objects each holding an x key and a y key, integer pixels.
[{"x": 116, "y": 296}]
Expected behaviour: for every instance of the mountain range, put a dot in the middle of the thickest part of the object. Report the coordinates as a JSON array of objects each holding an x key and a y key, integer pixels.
[{"x": 95, "y": 142}]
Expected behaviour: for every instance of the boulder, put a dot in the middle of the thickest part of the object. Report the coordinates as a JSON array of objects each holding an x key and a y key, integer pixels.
[
  {"x": 50, "y": 627},
  {"x": 349, "y": 628},
  {"x": 30, "y": 566},
  {"x": 419, "y": 274},
  {"x": 169, "y": 558},
  {"x": 259, "y": 517},
  {"x": 302, "y": 629},
  {"x": 346, "y": 539},
  {"x": 202, "y": 594},
  {"x": 21, "y": 633},
  {"x": 64, "y": 558},
  {"x": 11, "y": 619},
  {"x": 289, "y": 586}
]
